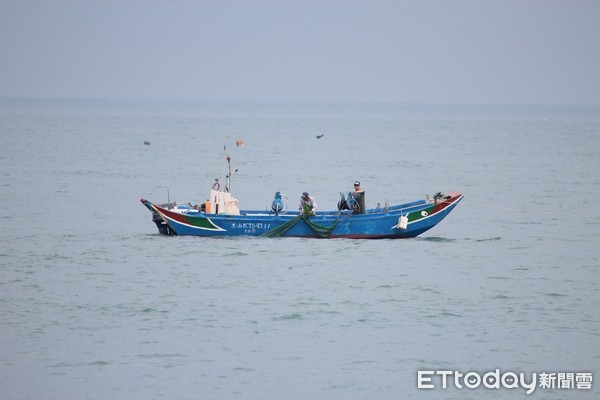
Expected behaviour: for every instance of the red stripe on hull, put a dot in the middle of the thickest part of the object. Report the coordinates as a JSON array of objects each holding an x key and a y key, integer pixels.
[
  {"x": 440, "y": 206},
  {"x": 177, "y": 217}
]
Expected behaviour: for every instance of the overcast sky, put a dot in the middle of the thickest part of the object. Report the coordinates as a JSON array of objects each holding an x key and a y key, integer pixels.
[{"x": 509, "y": 52}]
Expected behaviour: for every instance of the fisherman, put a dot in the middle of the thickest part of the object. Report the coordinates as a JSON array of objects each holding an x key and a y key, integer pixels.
[
  {"x": 359, "y": 196},
  {"x": 309, "y": 202}
]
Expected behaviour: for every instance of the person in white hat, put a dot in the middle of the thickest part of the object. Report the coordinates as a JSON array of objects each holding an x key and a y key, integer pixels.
[{"x": 359, "y": 195}]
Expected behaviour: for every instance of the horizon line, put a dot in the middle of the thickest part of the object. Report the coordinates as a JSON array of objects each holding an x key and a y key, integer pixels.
[{"x": 298, "y": 101}]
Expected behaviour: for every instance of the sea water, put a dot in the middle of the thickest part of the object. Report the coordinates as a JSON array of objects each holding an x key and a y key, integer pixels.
[{"x": 95, "y": 304}]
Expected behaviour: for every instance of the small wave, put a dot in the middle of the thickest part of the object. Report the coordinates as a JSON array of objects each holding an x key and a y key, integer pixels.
[
  {"x": 391, "y": 301},
  {"x": 565, "y": 328},
  {"x": 555, "y": 295},
  {"x": 99, "y": 273},
  {"x": 489, "y": 239},
  {"x": 325, "y": 312},
  {"x": 384, "y": 287},
  {"x": 449, "y": 314},
  {"x": 96, "y": 363},
  {"x": 492, "y": 239},
  {"x": 436, "y": 239},
  {"x": 81, "y": 364},
  {"x": 503, "y": 278},
  {"x": 427, "y": 290},
  {"x": 55, "y": 257},
  {"x": 288, "y": 317},
  {"x": 315, "y": 303},
  {"x": 236, "y": 254},
  {"x": 361, "y": 362},
  {"x": 161, "y": 355},
  {"x": 292, "y": 358}
]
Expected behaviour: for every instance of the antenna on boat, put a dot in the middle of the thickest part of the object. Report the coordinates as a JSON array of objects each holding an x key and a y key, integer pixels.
[
  {"x": 228, "y": 186},
  {"x": 224, "y": 154},
  {"x": 229, "y": 175},
  {"x": 168, "y": 196}
]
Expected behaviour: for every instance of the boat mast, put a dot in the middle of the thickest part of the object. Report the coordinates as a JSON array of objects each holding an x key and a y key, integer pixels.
[
  {"x": 228, "y": 186},
  {"x": 229, "y": 174}
]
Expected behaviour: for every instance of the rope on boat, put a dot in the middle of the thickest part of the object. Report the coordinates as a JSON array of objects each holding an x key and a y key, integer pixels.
[{"x": 320, "y": 230}]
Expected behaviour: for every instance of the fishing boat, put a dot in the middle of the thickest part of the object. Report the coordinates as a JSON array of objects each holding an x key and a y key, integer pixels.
[{"x": 220, "y": 217}]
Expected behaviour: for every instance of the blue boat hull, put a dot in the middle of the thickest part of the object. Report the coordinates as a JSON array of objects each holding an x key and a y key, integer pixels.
[{"x": 380, "y": 223}]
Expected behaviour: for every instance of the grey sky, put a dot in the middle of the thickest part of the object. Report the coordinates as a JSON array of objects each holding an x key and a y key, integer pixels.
[{"x": 517, "y": 52}]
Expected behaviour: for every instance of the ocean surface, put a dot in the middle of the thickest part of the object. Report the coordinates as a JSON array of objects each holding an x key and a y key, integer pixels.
[{"x": 95, "y": 304}]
